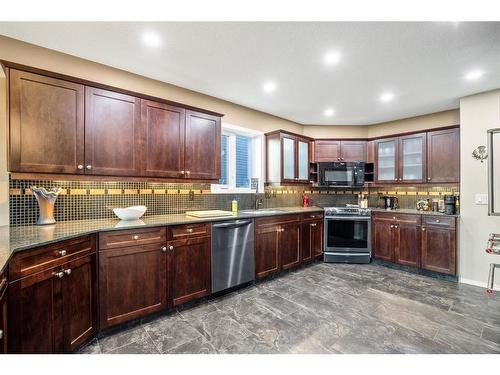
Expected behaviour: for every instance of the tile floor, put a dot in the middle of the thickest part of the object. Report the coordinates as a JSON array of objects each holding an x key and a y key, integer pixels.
[{"x": 326, "y": 308}]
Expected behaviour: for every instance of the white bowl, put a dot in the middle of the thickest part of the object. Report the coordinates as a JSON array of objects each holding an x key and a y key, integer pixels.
[{"x": 130, "y": 213}]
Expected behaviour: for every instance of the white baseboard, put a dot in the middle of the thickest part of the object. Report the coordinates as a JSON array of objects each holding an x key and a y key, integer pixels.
[{"x": 477, "y": 283}]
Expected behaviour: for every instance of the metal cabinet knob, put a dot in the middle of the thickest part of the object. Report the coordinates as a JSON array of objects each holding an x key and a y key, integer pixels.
[
  {"x": 428, "y": 178},
  {"x": 313, "y": 225},
  {"x": 188, "y": 172},
  {"x": 182, "y": 172},
  {"x": 164, "y": 249},
  {"x": 62, "y": 253},
  {"x": 89, "y": 166},
  {"x": 423, "y": 229},
  {"x": 68, "y": 271},
  {"x": 1, "y": 334},
  {"x": 438, "y": 221},
  {"x": 59, "y": 274},
  {"x": 171, "y": 248},
  {"x": 190, "y": 230},
  {"x": 79, "y": 166},
  {"x": 396, "y": 226},
  {"x": 136, "y": 237},
  {"x": 392, "y": 226},
  {"x": 394, "y": 218}
]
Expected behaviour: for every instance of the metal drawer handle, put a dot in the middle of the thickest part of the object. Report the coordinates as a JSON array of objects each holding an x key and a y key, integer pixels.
[
  {"x": 62, "y": 253},
  {"x": 164, "y": 249},
  {"x": 136, "y": 237},
  {"x": 68, "y": 271},
  {"x": 59, "y": 274}
]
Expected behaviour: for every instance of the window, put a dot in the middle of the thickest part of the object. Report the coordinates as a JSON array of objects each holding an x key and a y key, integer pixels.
[{"x": 241, "y": 160}]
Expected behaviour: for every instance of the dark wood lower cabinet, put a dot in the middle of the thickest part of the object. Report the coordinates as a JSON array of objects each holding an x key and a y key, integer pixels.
[
  {"x": 289, "y": 245},
  {"x": 3, "y": 315},
  {"x": 311, "y": 242},
  {"x": 406, "y": 244},
  {"x": 190, "y": 269},
  {"x": 439, "y": 249},
  {"x": 382, "y": 239},
  {"x": 132, "y": 282},
  {"x": 266, "y": 250}
]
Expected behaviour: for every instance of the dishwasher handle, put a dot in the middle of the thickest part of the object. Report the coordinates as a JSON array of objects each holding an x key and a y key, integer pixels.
[{"x": 235, "y": 224}]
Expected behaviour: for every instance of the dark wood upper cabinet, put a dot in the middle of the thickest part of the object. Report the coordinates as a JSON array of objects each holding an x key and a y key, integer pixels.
[
  {"x": 288, "y": 158},
  {"x": 438, "y": 245},
  {"x": 353, "y": 150},
  {"x": 326, "y": 151},
  {"x": 412, "y": 158},
  {"x": 132, "y": 282},
  {"x": 3, "y": 315},
  {"x": 112, "y": 133},
  {"x": 202, "y": 146},
  {"x": 79, "y": 301},
  {"x": 443, "y": 156},
  {"x": 163, "y": 128},
  {"x": 190, "y": 269},
  {"x": 46, "y": 124}
]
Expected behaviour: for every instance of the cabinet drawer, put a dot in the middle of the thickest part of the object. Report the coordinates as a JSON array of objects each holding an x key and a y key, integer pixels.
[
  {"x": 276, "y": 220},
  {"x": 396, "y": 217},
  {"x": 39, "y": 259},
  {"x": 132, "y": 237},
  {"x": 189, "y": 230},
  {"x": 312, "y": 216},
  {"x": 441, "y": 221}
]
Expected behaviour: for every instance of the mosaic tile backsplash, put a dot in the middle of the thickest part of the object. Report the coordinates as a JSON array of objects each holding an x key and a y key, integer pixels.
[{"x": 95, "y": 200}]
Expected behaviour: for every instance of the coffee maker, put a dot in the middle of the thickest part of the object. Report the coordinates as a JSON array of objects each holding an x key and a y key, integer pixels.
[
  {"x": 449, "y": 204},
  {"x": 389, "y": 202}
]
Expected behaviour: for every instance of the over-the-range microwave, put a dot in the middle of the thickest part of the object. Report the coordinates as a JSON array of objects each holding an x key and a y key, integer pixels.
[{"x": 341, "y": 174}]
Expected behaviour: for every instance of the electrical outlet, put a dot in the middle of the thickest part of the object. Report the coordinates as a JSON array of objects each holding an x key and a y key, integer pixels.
[{"x": 481, "y": 199}]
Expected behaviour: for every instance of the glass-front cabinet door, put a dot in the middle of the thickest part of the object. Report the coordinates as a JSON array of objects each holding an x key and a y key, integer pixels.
[
  {"x": 288, "y": 159},
  {"x": 303, "y": 160},
  {"x": 386, "y": 153},
  {"x": 412, "y": 150}
]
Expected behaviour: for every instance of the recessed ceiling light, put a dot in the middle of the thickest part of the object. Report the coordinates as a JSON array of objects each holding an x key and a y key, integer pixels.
[
  {"x": 332, "y": 57},
  {"x": 329, "y": 112},
  {"x": 474, "y": 75},
  {"x": 269, "y": 87},
  {"x": 386, "y": 97},
  {"x": 151, "y": 39}
]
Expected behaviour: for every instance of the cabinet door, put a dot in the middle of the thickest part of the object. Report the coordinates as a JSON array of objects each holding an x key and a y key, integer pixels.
[
  {"x": 407, "y": 244},
  {"x": 266, "y": 250},
  {"x": 190, "y": 269},
  {"x": 3, "y": 320},
  {"x": 412, "y": 158},
  {"x": 306, "y": 242},
  {"x": 353, "y": 151},
  {"x": 35, "y": 311},
  {"x": 46, "y": 124},
  {"x": 79, "y": 301},
  {"x": 202, "y": 150},
  {"x": 132, "y": 283},
  {"x": 289, "y": 159},
  {"x": 386, "y": 160},
  {"x": 112, "y": 133},
  {"x": 303, "y": 160},
  {"x": 443, "y": 156},
  {"x": 438, "y": 249},
  {"x": 317, "y": 239},
  {"x": 326, "y": 151},
  {"x": 382, "y": 237},
  {"x": 289, "y": 246},
  {"x": 163, "y": 134}
]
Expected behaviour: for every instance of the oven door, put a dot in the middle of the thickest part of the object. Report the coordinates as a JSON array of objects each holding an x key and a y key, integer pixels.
[{"x": 349, "y": 234}]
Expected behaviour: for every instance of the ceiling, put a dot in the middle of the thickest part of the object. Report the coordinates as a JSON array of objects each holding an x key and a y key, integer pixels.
[{"x": 423, "y": 64}]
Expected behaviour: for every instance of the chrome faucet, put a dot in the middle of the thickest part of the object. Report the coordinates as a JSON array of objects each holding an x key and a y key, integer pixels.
[{"x": 258, "y": 203}]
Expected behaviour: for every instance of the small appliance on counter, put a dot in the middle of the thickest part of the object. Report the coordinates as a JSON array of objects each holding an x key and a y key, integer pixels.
[
  {"x": 449, "y": 204},
  {"x": 390, "y": 202}
]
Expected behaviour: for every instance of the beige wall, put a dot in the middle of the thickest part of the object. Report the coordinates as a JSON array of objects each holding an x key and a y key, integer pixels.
[
  {"x": 336, "y": 131},
  {"x": 478, "y": 113}
]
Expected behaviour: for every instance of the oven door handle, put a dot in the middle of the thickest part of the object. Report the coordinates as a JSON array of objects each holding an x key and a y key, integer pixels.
[{"x": 350, "y": 218}]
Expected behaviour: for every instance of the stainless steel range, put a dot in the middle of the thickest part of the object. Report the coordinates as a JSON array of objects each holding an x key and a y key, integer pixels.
[{"x": 347, "y": 235}]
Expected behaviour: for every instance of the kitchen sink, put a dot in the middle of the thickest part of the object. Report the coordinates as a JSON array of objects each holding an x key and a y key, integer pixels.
[{"x": 261, "y": 212}]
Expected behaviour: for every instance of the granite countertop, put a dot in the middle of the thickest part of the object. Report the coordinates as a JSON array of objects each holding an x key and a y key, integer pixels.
[
  {"x": 410, "y": 211},
  {"x": 18, "y": 238}
]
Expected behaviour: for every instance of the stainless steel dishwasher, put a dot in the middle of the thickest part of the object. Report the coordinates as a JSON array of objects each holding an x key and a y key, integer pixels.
[{"x": 232, "y": 254}]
